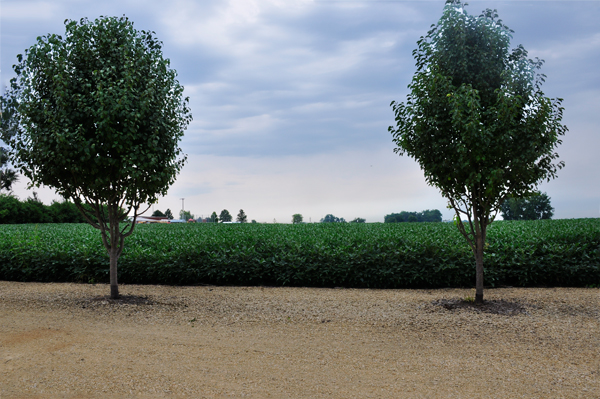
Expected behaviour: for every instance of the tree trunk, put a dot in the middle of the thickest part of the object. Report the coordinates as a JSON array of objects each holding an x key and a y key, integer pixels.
[
  {"x": 114, "y": 252},
  {"x": 114, "y": 285},
  {"x": 479, "y": 268},
  {"x": 480, "y": 228}
]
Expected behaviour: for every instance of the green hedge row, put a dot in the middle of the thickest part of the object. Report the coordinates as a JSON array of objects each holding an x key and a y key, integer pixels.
[{"x": 404, "y": 255}]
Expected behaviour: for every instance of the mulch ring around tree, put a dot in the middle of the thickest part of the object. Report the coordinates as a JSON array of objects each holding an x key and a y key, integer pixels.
[{"x": 499, "y": 306}]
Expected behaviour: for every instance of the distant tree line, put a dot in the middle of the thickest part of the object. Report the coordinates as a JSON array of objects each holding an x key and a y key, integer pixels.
[
  {"x": 168, "y": 214},
  {"x": 423, "y": 216},
  {"x": 329, "y": 218},
  {"x": 358, "y": 220},
  {"x": 224, "y": 216},
  {"x": 32, "y": 210}
]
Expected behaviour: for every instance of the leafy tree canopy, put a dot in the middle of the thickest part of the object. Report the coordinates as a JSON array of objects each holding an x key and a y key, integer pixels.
[
  {"x": 241, "y": 217},
  {"x": 477, "y": 121},
  {"x": 358, "y": 220},
  {"x": 329, "y": 218},
  {"x": 297, "y": 218},
  {"x": 8, "y": 177},
  {"x": 225, "y": 216},
  {"x": 214, "y": 218},
  {"x": 99, "y": 114},
  {"x": 7, "y": 129},
  {"x": 169, "y": 214},
  {"x": 535, "y": 207},
  {"x": 158, "y": 213}
]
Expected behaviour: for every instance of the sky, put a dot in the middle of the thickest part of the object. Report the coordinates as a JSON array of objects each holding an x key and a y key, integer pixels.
[{"x": 291, "y": 98}]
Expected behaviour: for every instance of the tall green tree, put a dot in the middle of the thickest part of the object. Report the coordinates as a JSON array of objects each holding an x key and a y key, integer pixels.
[
  {"x": 225, "y": 216},
  {"x": 214, "y": 218},
  {"x": 477, "y": 121},
  {"x": 169, "y": 214},
  {"x": 100, "y": 114},
  {"x": 536, "y": 207},
  {"x": 241, "y": 217},
  {"x": 297, "y": 218}
]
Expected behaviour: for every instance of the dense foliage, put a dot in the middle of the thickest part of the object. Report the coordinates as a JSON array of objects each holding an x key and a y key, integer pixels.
[
  {"x": 358, "y": 220},
  {"x": 225, "y": 216},
  {"x": 329, "y": 218},
  {"x": 477, "y": 121},
  {"x": 242, "y": 217},
  {"x": 32, "y": 210},
  {"x": 297, "y": 218},
  {"x": 7, "y": 176},
  {"x": 423, "y": 216},
  {"x": 535, "y": 207},
  {"x": 98, "y": 115},
  {"x": 7, "y": 129},
  {"x": 519, "y": 253}
]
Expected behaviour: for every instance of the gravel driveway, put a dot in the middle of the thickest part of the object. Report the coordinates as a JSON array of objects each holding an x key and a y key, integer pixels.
[{"x": 71, "y": 341}]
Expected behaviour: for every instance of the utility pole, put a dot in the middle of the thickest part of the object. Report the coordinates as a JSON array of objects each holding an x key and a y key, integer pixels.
[{"x": 182, "y": 209}]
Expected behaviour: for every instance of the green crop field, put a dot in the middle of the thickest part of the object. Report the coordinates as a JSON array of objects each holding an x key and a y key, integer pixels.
[{"x": 532, "y": 253}]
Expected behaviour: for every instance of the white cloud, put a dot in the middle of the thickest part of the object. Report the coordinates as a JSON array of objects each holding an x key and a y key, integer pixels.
[
  {"x": 237, "y": 129},
  {"x": 227, "y": 27}
]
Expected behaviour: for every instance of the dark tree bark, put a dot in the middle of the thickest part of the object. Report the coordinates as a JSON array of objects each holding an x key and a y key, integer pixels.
[{"x": 114, "y": 284}]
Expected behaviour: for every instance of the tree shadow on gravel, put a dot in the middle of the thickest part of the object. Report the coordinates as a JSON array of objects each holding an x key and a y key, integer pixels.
[
  {"x": 123, "y": 300},
  {"x": 500, "y": 307}
]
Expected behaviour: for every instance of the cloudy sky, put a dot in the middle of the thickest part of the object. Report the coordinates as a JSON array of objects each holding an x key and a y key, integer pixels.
[{"x": 290, "y": 98}]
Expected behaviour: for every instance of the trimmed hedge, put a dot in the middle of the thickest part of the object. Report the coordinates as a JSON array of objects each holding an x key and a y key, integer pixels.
[{"x": 403, "y": 255}]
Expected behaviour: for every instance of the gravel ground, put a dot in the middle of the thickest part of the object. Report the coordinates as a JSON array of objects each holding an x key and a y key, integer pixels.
[{"x": 71, "y": 341}]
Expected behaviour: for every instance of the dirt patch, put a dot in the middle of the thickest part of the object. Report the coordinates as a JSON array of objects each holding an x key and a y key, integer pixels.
[
  {"x": 27, "y": 337},
  {"x": 73, "y": 341}
]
